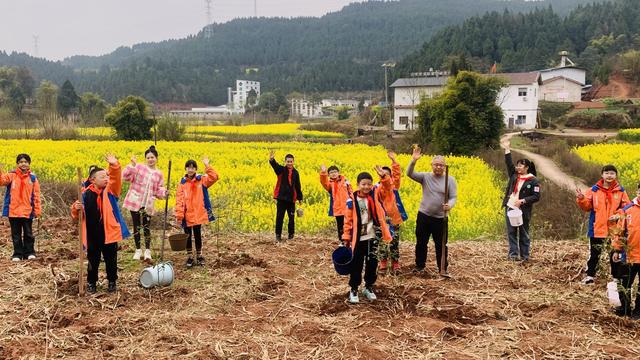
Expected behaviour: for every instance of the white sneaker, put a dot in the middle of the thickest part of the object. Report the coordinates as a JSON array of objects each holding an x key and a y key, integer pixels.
[
  {"x": 147, "y": 254},
  {"x": 589, "y": 280},
  {"x": 15, "y": 259},
  {"x": 137, "y": 254},
  {"x": 353, "y": 297},
  {"x": 31, "y": 257},
  {"x": 368, "y": 293}
]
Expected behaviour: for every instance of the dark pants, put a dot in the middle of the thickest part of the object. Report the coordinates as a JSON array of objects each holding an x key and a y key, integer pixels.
[
  {"x": 427, "y": 226},
  {"x": 290, "y": 209},
  {"x": 110, "y": 254},
  {"x": 365, "y": 254},
  {"x": 340, "y": 224},
  {"x": 519, "y": 239},
  {"x": 136, "y": 217},
  {"x": 22, "y": 245},
  {"x": 628, "y": 274},
  {"x": 196, "y": 232},
  {"x": 596, "y": 246}
]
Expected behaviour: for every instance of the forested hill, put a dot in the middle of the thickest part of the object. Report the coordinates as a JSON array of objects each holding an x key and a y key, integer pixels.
[
  {"x": 524, "y": 42},
  {"x": 339, "y": 51}
]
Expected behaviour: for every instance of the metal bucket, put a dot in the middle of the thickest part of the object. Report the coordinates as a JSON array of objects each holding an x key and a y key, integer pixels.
[
  {"x": 515, "y": 217},
  {"x": 158, "y": 275}
]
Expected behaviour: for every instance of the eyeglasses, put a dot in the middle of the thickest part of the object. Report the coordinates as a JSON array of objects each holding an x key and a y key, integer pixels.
[{"x": 438, "y": 165}]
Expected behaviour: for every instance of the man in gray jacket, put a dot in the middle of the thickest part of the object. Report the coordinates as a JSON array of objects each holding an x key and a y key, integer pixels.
[{"x": 430, "y": 220}]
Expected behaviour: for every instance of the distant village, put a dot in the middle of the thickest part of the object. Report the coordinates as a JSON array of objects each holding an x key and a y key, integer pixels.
[{"x": 519, "y": 99}]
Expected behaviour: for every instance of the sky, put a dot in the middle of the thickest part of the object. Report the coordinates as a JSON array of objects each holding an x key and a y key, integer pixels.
[{"x": 88, "y": 27}]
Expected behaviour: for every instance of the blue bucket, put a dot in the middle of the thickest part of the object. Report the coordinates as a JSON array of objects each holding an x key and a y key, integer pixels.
[{"x": 342, "y": 260}]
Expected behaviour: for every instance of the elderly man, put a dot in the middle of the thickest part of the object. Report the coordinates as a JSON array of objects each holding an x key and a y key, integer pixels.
[{"x": 430, "y": 220}]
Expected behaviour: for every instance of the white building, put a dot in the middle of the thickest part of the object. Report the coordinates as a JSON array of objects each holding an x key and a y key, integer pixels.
[
  {"x": 212, "y": 112},
  {"x": 408, "y": 92},
  {"x": 563, "y": 83},
  {"x": 519, "y": 99},
  {"x": 304, "y": 108},
  {"x": 352, "y": 104},
  {"x": 237, "y": 99}
]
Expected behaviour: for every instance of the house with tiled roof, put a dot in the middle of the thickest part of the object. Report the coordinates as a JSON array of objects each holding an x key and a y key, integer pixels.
[
  {"x": 409, "y": 92},
  {"x": 519, "y": 99}
]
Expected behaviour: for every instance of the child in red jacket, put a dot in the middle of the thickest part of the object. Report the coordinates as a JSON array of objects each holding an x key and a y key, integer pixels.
[
  {"x": 193, "y": 207},
  {"x": 339, "y": 191},
  {"x": 103, "y": 224},
  {"x": 626, "y": 252},
  {"x": 21, "y": 206}
]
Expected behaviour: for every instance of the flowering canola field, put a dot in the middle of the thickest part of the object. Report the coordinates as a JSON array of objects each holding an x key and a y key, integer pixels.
[
  {"x": 243, "y": 198},
  {"x": 626, "y": 158},
  {"x": 283, "y": 130}
]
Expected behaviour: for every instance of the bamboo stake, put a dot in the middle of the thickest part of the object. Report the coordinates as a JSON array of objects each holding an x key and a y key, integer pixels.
[
  {"x": 445, "y": 225},
  {"x": 80, "y": 233},
  {"x": 166, "y": 209}
]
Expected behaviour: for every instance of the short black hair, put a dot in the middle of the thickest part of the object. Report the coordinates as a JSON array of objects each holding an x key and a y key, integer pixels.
[
  {"x": 151, "y": 149},
  {"x": 387, "y": 168},
  {"x": 289, "y": 156},
  {"x": 23, "y": 156},
  {"x": 191, "y": 163},
  {"x": 332, "y": 167},
  {"x": 609, "y": 168},
  {"x": 93, "y": 169},
  {"x": 364, "y": 176}
]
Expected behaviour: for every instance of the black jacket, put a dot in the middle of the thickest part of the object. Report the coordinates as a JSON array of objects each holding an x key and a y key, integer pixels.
[
  {"x": 530, "y": 190},
  {"x": 285, "y": 191}
]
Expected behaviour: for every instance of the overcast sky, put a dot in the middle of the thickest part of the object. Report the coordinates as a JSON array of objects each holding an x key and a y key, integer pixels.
[{"x": 91, "y": 27}]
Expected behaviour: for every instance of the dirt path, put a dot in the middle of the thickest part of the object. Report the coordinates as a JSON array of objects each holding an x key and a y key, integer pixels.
[
  {"x": 257, "y": 300},
  {"x": 547, "y": 167}
]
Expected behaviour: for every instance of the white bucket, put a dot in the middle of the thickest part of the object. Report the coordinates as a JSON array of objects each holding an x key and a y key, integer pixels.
[
  {"x": 612, "y": 294},
  {"x": 515, "y": 217},
  {"x": 159, "y": 275}
]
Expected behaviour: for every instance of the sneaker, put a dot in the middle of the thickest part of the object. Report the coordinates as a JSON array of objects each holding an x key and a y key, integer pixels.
[
  {"x": 396, "y": 266},
  {"x": 290, "y": 237},
  {"x": 137, "y": 254},
  {"x": 353, "y": 296},
  {"x": 31, "y": 257},
  {"x": 278, "y": 238},
  {"x": 368, "y": 293},
  {"x": 589, "y": 280},
  {"x": 200, "y": 260},
  {"x": 147, "y": 254},
  {"x": 635, "y": 315},
  {"x": 383, "y": 265},
  {"x": 112, "y": 286},
  {"x": 15, "y": 258},
  {"x": 91, "y": 288},
  {"x": 190, "y": 262},
  {"x": 620, "y": 311},
  {"x": 418, "y": 269}
]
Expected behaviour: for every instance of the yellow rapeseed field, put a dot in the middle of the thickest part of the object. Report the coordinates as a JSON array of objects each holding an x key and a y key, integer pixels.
[
  {"x": 243, "y": 196},
  {"x": 282, "y": 130},
  {"x": 626, "y": 158}
]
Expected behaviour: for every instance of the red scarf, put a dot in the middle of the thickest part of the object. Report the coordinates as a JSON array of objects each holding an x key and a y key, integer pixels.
[
  {"x": 609, "y": 192},
  {"x": 370, "y": 204},
  {"x": 521, "y": 178},
  {"x": 98, "y": 192}
]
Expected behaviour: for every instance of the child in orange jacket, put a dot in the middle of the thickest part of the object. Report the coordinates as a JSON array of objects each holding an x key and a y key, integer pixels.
[
  {"x": 103, "y": 224},
  {"x": 193, "y": 207},
  {"x": 365, "y": 225},
  {"x": 626, "y": 252},
  {"x": 339, "y": 191},
  {"x": 21, "y": 206},
  {"x": 602, "y": 201},
  {"x": 396, "y": 215}
]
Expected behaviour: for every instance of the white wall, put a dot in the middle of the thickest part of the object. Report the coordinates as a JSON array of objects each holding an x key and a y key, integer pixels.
[
  {"x": 410, "y": 96},
  {"x": 514, "y": 105},
  {"x": 561, "y": 90},
  {"x": 578, "y": 75},
  {"x": 412, "y": 119}
]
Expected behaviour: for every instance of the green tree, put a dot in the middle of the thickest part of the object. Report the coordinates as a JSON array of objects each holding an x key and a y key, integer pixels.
[
  {"x": 465, "y": 117},
  {"x": 131, "y": 119},
  {"x": 342, "y": 112},
  {"x": 631, "y": 65},
  {"x": 93, "y": 108},
  {"x": 47, "y": 97},
  {"x": 68, "y": 100}
]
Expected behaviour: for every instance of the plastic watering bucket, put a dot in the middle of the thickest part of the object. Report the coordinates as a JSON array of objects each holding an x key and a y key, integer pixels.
[
  {"x": 342, "y": 260},
  {"x": 158, "y": 275},
  {"x": 515, "y": 217},
  {"x": 612, "y": 294}
]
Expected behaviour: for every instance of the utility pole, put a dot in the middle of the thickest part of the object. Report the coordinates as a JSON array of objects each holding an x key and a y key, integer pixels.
[
  {"x": 386, "y": 66},
  {"x": 36, "y": 48},
  {"x": 255, "y": 8}
]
